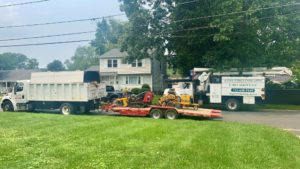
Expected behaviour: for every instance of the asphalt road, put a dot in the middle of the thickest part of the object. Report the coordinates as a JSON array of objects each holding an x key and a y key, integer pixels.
[{"x": 286, "y": 120}]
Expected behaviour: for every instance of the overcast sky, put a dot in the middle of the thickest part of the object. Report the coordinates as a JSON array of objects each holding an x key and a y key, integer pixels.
[{"x": 51, "y": 11}]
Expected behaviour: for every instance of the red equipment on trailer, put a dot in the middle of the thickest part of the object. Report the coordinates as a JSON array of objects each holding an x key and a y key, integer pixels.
[{"x": 158, "y": 112}]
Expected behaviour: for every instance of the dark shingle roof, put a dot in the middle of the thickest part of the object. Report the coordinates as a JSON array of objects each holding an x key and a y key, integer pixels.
[
  {"x": 15, "y": 75},
  {"x": 114, "y": 53}
]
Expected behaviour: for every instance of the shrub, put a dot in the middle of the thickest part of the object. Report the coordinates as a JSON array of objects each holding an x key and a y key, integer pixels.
[
  {"x": 145, "y": 88},
  {"x": 136, "y": 91},
  {"x": 274, "y": 86}
]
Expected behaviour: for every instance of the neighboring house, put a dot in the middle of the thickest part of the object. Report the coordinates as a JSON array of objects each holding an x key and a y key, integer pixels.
[
  {"x": 115, "y": 71},
  {"x": 9, "y": 77}
]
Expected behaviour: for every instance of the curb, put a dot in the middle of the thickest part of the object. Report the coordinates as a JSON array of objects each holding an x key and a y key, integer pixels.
[{"x": 276, "y": 110}]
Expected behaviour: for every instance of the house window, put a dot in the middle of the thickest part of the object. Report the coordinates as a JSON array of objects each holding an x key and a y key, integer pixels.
[
  {"x": 133, "y": 80},
  {"x": 137, "y": 63},
  {"x": 112, "y": 63}
]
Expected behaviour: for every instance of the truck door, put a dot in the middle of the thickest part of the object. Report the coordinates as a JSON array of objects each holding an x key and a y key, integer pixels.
[
  {"x": 19, "y": 93},
  {"x": 216, "y": 90}
]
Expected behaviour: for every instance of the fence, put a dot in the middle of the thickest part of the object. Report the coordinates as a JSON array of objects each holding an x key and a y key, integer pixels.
[{"x": 291, "y": 97}]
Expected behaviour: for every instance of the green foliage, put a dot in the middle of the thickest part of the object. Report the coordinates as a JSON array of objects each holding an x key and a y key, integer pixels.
[
  {"x": 56, "y": 141},
  {"x": 142, "y": 38},
  {"x": 296, "y": 71},
  {"x": 197, "y": 34},
  {"x": 32, "y": 64},
  {"x": 274, "y": 86},
  {"x": 136, "y": 91},
  {"x": 156, "y": 99},
  {"x": 12, "y": 61},
  {"x": 84, "y": 58},
  {"x": 145, "y": 88},
  {"x": 109, "y": 35},
  {"x": 56, "y": 66}
]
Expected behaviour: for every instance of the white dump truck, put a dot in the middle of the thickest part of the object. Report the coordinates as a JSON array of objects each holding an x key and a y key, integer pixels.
[{"x": 71, "y": 92}]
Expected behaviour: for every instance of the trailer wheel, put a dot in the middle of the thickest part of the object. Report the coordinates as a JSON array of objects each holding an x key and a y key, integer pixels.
[
  {"x": 171, "y": 114},
  {"x": 232, "y": 104},
  {"x": 66, "y": 109},
  {"x": 156, "y": 114},
  {"x": 7, "y": 106}
]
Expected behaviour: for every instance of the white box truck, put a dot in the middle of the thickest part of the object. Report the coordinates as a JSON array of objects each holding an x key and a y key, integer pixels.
[
  {"x": 233, "y": 91},
  {"x": 71, "y": 92},
  {"x": 227, "y": 88}
]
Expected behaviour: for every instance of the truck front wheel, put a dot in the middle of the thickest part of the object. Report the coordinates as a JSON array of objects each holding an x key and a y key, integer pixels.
[
  {"x": 7, "y": 106},
  {"x": 66, "y": 109},
  {"x": 232, "y": 104},
  {"x": 156, "y": 114}
]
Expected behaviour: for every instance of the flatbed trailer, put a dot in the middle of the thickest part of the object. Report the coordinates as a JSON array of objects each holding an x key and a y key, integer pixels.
[{"x": 158, "y": 112}]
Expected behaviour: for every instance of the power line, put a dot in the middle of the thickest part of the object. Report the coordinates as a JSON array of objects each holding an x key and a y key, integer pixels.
[
  {"x": 46, "y": 43},
  {"x": 122, "y": 14},
  {"x": 163, "y": 31},
  {"x": 47, "y": 36},
  {"x": 234, "y": 13},
  {"x": 213, "y": 34},
  {"x": 188, "y": 2},
  {"x": 61, "y": 22},
  {"x": 23, "y": 3},
  {"x": 225, "y": 14},
  {"x": 208, "y": 27}
]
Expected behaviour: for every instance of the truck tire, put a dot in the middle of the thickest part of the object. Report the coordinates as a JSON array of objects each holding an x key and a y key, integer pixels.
[
  {"x": 232, "y": 104},
  {"x": 7, "y": 106},
  {"x": 66, "y": 109},
  {"x": 171, "y": 114},
  {"x": 156, "y": 114}
]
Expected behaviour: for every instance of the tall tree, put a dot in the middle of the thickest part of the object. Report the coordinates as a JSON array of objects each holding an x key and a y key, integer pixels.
[
  {"x": 147, "y": 20},
  {"x": 12, "y": 61},
  {"x": 32, "y": 64},
  {"x": 109, "y": 34},
  {"x": 84, "y": 58},
  {"x": 56, "y": 66},
  {"x": 218, "y": 34}
]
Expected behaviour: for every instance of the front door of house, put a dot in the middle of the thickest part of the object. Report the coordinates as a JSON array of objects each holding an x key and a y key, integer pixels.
[{"x": 110, "y": 80}]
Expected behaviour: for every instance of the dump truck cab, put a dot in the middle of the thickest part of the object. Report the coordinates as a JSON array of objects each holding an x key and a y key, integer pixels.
[{"x": 13, "y": 100}]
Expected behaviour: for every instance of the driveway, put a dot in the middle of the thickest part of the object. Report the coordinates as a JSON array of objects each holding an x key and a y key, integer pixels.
[{"x": 286, "y": 120}]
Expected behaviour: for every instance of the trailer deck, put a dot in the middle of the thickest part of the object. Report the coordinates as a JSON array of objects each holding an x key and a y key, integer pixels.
[{"x": 158, "y": 112}]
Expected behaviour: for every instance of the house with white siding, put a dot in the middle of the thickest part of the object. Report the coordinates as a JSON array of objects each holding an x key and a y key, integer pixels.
[{"x": 117, "y": 72}]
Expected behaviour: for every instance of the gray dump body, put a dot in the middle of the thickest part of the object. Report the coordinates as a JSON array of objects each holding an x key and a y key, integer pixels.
[{"x": 75, "y": 86}]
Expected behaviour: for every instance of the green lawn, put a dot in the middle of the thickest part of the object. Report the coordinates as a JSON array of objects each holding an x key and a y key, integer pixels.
[{"x": 56, "y": 141}]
